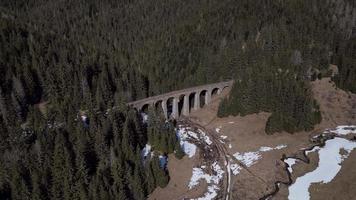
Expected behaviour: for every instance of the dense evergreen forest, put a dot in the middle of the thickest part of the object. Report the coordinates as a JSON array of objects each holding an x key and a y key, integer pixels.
[
  {"x": 295, "y": 43},
  {"x": 64, "y": 63}
]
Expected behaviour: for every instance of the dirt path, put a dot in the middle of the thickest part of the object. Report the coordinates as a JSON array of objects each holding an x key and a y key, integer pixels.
[
  {"x": 221, "y": 153},
  {"x": 224, "y": 154}
]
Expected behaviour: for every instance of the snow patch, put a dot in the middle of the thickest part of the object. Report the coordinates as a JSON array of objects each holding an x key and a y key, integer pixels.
[
  {"x": 207, "y": 140},
  {"x": 184, "y": 134},
  {"x": 265, "y": 149},
  {"x": 281, "y": 146},
  {"x": 84, "y": 118},
  {"x": 205, "y": 137},
  {"x": 248, "y": 158},
  {"x": 235, "y": 168},
  {"x": 218, "y": 129},
  {"x": 218, "y": 173},
  {"x": 329, "y": 165},
  {"x": 144, "y": 117},
  {"x": 198, "y": 174},
  {"x": 344, "y": 130},
  {"x": 211, "y": 194},
  {"x": 223, "y": 136},
  {"x": 146, "y": 150},
  {"x": 314, "y": 149},
  {"x": 290, "y": 162},
  {"x": 187, "y": 147},
  {"x": 213, "y": 180}
]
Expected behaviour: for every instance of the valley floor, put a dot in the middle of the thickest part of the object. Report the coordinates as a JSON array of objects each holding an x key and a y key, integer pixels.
[{"x": 244, "y": 136}]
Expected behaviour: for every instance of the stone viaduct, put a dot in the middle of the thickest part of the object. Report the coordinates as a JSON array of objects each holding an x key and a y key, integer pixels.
[{"x": 184, "y": 97}]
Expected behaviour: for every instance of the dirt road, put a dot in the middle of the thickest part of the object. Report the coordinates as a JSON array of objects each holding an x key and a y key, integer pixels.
[
  {"x": 216, "y": 150},
  {"x": 221, "y": 154}
]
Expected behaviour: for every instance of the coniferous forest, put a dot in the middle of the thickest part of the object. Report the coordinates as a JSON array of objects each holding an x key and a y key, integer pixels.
[{"x": 62, "y": 58}]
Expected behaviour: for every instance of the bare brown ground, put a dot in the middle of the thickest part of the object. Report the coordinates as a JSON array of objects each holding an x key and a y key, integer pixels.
[
  {"x": 180, "y": 173},
  {"x": 247, "y": 134},
  {"x": 337, "y": 106}
]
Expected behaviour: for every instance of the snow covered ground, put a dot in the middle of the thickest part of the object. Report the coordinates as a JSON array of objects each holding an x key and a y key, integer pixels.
[
  {"x": 189, "y": 148},
  {"x": 184, "y": 134},
  {"x": 344, "y": 130},
  {"x": 212, "y": 174},
  {"x": 329, "y": 165},
  {"x": 235, "y": 168},
  {"x": 250, "y": 158},
  {"x": 205, "y": 137},
  {"x": 212, "y": 179}
]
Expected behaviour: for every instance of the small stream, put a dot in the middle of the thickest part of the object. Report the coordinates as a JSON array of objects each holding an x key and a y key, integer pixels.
[
  {"x": 333, "y": 149},
  {"x": 329, "y": 165}
]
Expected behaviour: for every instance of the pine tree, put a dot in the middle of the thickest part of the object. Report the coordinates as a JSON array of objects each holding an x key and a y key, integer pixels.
[
  {"x": 22, "y": 190},
  {"x": 151, "y": 182},
  {"x": 36, "y": 193},
  {"x": 62, "y": 170},
  {"x": 179, "y": 151},
  {"x": 161, "y": 177},
  {"x": 118, "y": 171}
]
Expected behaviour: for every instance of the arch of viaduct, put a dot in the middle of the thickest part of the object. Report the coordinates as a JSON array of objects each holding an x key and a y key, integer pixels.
[{"x": 184, "y": 94}]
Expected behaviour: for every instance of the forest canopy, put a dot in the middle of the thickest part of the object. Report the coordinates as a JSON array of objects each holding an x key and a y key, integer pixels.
[{"x": 63, "y": 60}]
